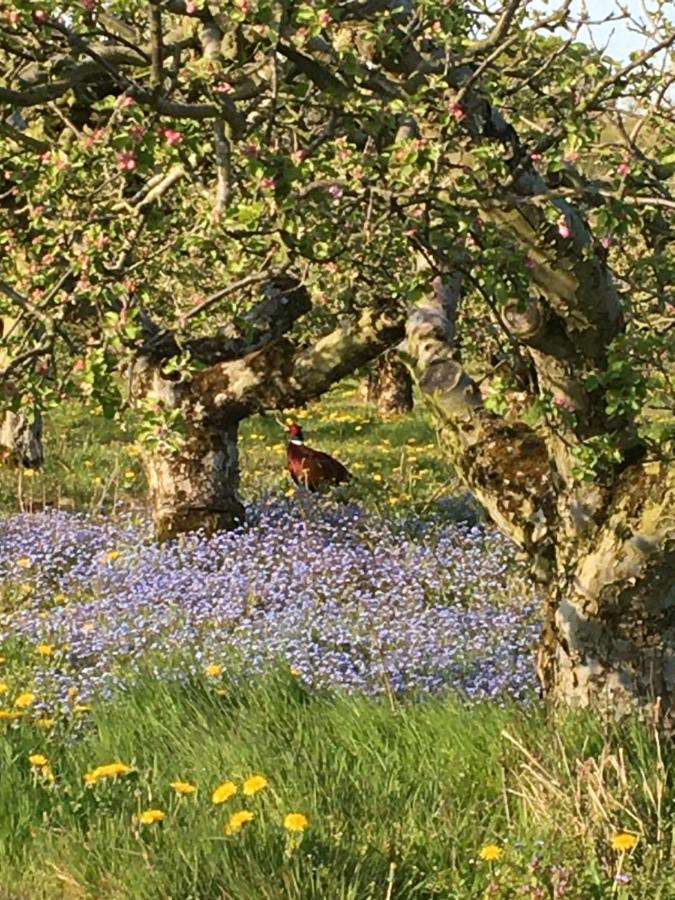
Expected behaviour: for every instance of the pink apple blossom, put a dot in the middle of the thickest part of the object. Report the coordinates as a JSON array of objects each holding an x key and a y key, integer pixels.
[
  {"x": 127, "y": 160},
  {"x": 564, "y": 229},
  {"x": 172, "y": 137},
  {"x": 456, "y": 110}
]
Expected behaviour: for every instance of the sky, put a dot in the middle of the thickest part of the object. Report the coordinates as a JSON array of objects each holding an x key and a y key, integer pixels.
[{"x": 621, "y": 40}]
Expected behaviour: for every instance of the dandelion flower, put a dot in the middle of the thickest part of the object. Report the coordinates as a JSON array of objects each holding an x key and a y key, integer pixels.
[
  {"x": 110, "y": 770},
  {"x": 44, "y": 722},
  {"x": 238, "y": 820},
  {"x": 7, "y": 714},
  {"x": 150, "y": 816},
  {"x": 23, "y": 563},
  {"x": 25, "y": 699},
  {"x": 213, "y": 670},
  {"x": 254, "y": 784},
  {"x": 44, "y": 650},
  {"x": 490, "y": 852},
  {"x": 110, "y": 556},
  {"x": 183, "y": 787},
  {"x": 223, "y": 792},
  {"x": 4, "y": 687},
  {"x": 37, "y": 759},
  {"x": 295, "y": 822},
  {"x": 624, "y": 841}
]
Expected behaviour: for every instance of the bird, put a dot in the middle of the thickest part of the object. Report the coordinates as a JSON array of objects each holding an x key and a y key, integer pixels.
[{"x": 312, "y": 468}]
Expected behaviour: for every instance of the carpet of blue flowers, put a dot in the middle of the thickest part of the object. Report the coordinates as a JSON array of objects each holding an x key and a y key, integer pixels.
[{"x": 343, "y": 598}]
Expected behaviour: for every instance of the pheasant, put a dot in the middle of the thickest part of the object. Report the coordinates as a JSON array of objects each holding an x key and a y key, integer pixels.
[{"x": 312, "y": 468}]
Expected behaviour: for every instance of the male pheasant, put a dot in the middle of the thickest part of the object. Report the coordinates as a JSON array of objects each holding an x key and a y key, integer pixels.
[{"x": 312, "y": 468}]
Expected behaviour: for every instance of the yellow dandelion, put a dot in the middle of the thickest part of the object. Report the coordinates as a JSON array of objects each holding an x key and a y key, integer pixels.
[
  {"x": 490, "y": 852},
  {"x": 4, "y": 687},
  {"x": 37, "y": 759},
  {"x": 150, "y": 816},
  {"x": 44, "y": 723},
  {"x": 3, "y": 659},
  {"x": 213, "y": 670},
  {"x": 109, "y": 556},
  {"x": 59, "y": 598},
  {"x": 223, "y": 792},
  {"x": 237, "y": 821},
  {"x": 81, "y": 708},
  {"x": 295, "y": 672},
  {"x": 295, "y": 822},
  {"x": 47, "y": 773},
  {"x": 23, "y": 563},
  {"x": 109, "y": 770},
  {"x": 254, "y": 784},
  {"x": 27, "y": 698},
  {"x": 183, "y": 787},
  {"x": 73, "y": 691},
  {"x": 129, "y": 474},
  {"x": 7, "y": 714},
  {"x": 29, "y": 473},
  {"x": 624, "y": 841},
  {"x": 44, "y": 650},
  {"x": 377, "y": 477}
]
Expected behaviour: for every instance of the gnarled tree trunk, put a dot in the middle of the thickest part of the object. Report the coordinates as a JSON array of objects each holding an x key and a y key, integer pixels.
[
  {"x": 193, "y": 482},
  {"x": 194, "y": 475},
  {"x": 390, "y": 387},
  {"x": 610, "y": 632},
  {"x": 602, "y": 551},
  {"x": 21, "y": 439}
]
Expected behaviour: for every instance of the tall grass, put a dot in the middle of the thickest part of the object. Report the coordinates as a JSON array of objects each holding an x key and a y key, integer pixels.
[{"x": 400, "y": 800}]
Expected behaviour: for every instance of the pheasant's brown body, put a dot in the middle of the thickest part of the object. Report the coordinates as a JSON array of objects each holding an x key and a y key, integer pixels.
[{"x": 312, "y": 468}]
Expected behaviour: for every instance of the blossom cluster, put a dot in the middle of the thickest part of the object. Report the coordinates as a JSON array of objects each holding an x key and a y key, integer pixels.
[{"x": 341, "y": 597}]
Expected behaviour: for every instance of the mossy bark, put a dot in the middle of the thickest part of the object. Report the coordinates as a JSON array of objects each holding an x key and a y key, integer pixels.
[
  {"x": 602, "y": 550},
  {"x": 390, "y": 387}
]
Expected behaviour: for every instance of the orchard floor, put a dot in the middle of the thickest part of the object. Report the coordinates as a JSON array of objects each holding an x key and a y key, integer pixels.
[{"x": 336, "y": 702}]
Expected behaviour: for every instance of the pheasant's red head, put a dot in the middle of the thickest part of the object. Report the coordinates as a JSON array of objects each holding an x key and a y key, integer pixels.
[{"x": 295, "y": 432}]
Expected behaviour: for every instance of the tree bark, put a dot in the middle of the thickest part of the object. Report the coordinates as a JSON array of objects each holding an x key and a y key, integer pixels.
[
  {"x": 193, "y": 469},
  {"x": 194, "y": 483},
  {"x": 602, "y": 551},
  {"x": 390, "y": 386},
  {"x": 21, "y": 439},
  {"x": 609, "y": 639}
]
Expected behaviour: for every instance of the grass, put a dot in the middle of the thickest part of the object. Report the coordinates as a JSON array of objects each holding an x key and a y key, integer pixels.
[
  {"x": 399, "y": 801},
  {"x": 401, "y": 797}
]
